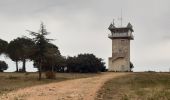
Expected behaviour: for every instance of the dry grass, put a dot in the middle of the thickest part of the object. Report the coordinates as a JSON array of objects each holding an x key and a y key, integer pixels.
[
  {"x": 13, "y": 81},
  {"x": 137, "y": 86}
]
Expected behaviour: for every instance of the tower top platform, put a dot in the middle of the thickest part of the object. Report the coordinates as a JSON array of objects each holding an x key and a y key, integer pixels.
[
  {"x": 115, "y": 29},
  {"x": 121, "y": 32}
]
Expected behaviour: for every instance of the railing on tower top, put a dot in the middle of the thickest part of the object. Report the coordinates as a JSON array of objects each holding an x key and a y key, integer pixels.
[{"x": 112, "y": 35}]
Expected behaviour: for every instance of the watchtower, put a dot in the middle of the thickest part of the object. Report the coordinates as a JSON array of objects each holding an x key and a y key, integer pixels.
[{"x": 120, "y": 36}]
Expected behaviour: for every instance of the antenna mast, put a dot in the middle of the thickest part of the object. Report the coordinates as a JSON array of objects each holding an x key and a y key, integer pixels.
[{"x": 121, "y": 19}]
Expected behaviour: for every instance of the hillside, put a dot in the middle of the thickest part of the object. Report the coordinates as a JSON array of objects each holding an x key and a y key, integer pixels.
[{"x": 137, "y": 86}]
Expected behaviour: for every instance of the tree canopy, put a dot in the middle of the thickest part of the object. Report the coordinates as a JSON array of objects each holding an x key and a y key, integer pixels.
[
  {"x": 3, "y": 46},
  {"x": 85, "y": 63},
  {"x": 53, "y": 58},
  {"x": 41, "y": 47},
  {"x": 20, "y": 49},
  {"x": 3, "y": 66}
]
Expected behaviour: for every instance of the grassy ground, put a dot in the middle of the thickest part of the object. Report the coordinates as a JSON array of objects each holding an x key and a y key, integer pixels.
[
  {"x": 13, "y": 81},
  {"x": 137, "y": 86}
]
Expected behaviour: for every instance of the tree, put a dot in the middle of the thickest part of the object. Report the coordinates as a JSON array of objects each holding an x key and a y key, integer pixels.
[
  {"x": 41, "y": 46},
  {"x": 85, "y": 63},
  {"x": 26, "y": 50},
  {"x": 13, "y": 52},
  {"x": 60, "y": 65},
  {"x": 3, "y": 66},
  {"x": 72, "y": 64},
  {"x": 20, "y": 49},
  {"x": 3, "y": 46},
  {"x": 53, "y": 58}
]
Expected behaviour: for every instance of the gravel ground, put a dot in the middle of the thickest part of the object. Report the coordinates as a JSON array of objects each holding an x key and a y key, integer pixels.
[{"x": 78, "y": 89}]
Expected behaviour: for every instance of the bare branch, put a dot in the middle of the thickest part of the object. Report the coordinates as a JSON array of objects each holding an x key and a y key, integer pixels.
[{"x": 32, "y": 33}]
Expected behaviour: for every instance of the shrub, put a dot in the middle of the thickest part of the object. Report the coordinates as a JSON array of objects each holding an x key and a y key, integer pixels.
[
  {"x": 85, "y": 63},
  {"x": 50, "y": 75},
  {"x": 3, "y": 66}
]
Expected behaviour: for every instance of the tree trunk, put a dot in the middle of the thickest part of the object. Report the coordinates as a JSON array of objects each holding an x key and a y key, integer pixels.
[
  {"x": 24, "y": 67},
  {"x": 40, "y": 71},
  {"x": 16, "y": 66},
  {"x": 52, "y": 68}
]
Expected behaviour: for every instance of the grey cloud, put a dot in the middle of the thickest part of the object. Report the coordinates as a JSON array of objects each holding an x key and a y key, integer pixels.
[{"x": 81, "y": 25}]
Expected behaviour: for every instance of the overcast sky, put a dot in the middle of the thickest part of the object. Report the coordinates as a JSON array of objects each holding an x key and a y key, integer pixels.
[{"x": 81, "y": 26}]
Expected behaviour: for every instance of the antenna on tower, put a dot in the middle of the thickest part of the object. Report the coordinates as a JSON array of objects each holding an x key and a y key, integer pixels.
[
  {"x": 121, "y": 19},
  {"x": 113, "y": 22}
]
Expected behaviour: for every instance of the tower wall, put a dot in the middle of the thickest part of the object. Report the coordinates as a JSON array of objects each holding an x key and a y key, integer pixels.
[
  {"x": 120, "y": 36},
  {"x": 120, "y": 60}
]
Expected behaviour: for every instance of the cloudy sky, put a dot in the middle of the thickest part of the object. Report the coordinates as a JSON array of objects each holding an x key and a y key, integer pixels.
[{"x": 80, "y": 26}]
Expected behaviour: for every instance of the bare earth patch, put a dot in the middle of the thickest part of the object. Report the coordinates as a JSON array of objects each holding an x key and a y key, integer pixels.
[{"x": 78, "y": 89}]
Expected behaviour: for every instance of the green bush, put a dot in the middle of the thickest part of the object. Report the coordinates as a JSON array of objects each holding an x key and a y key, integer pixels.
[
  {"x": 3, "y": 66},
  {"x": 85, "y": 63}
]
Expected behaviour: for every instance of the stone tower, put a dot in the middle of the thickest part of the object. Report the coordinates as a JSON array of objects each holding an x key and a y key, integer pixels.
[{"x": 120, "y": 36}]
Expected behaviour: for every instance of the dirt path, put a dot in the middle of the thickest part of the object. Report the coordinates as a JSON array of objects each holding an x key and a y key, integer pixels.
[{"x": 78, "y": 89}]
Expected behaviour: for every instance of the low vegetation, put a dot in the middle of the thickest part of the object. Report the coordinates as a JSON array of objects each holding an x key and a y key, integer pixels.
[
  {"x": 3, "y": 66},
  {"x": 14, "y": 81},
  {"x": 137, "y": 86}
]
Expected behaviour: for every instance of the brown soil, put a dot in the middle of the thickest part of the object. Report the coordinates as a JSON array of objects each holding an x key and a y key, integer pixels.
[{"x": 78, "y": 89}]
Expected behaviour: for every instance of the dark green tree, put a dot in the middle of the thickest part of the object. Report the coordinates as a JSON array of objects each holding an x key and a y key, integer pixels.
[
  {"x": 85, "y": 63},
  {"x": 3, "y": 66},
  {"x": 13, "y": 52},
  {"x": 72, "y": 64},
  {"x": 52, "y": 55},
  {"x": 3, "y": 46},
  {"x": 41, "y": 46},
  {"x": 60, "y": 65},
  {"x": 21, "y": 49},
  {"x": 53, "y": 58}
]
